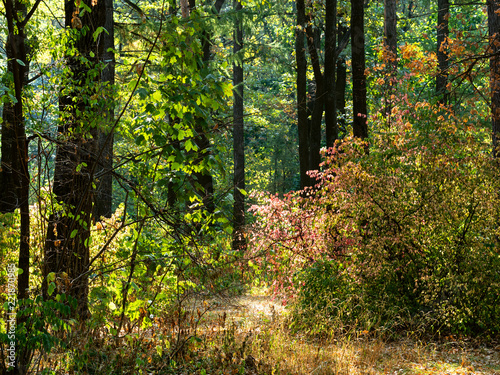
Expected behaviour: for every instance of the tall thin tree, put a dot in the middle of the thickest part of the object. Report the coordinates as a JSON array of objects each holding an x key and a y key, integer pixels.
[
  {"x": 14, "y": 175},
  {"x": 359, "y": 107},
  {"x": 317, "y": 101},
  {"x": 104, "y": 176},
  {"x": 238, "y": 132},
  {"x": 494, "y": 34},
  {"x": 390, "y": 53},
  {"x": 442, "y": 51},
  {"x": 302, "y": 123},
  {"x": 332, "y": 131},
  {"x": 341, "y": 75}
]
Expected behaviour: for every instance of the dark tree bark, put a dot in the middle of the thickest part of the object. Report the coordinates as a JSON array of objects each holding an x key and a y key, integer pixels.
[
  {"x": 442, "y": 51},
  {"x": 332, "y": 131},
  {"x": 104, "y": 184},
  {"x": 317, "y": 102},
  {"x": 204, "y": 178},
  {"x": 340, "y": 89},
  {"x": 341, "y": 77},
  {"x": 302, "y": 123},
  {"x": 239, "y": 242},
  {"x": 13, "y": 128},
  {"x": 360, "y": 125},
  {"x": 390, "y": 52},
  {"x": 494, "y": 34},
  {"x": 14, "y": 175},
  {"x": 390, "y": 32},
  {"x": 66, "y": 251}
]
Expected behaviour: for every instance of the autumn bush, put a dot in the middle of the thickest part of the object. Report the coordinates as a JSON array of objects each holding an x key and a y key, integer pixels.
[{"x": 402, "y": 236}]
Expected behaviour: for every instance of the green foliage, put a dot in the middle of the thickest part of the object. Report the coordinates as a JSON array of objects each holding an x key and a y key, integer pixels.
[{"x": 40, "y": 325}]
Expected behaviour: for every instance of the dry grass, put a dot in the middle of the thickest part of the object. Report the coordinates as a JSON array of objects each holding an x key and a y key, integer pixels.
[
  {"x": 277, "y": 351},
  {"x": 248, "y": 335}
]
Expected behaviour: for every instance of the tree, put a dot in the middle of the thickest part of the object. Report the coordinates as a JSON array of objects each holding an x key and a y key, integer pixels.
[
  {"x": 203, "y": 142},
  {"x": 494, "y": 33},
  {"x": 66, "y": 252},
  {"x": 317, "y": 102},
  {"x": 14, "y": 175},
  {"x": 13, "y": 128},
  {"x": 322, "y": 91},
  {"x": 302, "y": 123},
  {"x": 442, "y": 53},
  {"x": 332, "y": 131},
  {"x": 104, "y": 176},
  {"x": 390, "y": 31},
  {"x": 359, "y": 107},
  {"x": 390, "y": 51},
  {"x": 238, "y": 132},
  {"x": 341, "y": 76}
]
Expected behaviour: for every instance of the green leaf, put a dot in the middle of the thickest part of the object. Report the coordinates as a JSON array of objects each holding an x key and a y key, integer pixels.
[
  {"x": 99, "y": 30},
  {"x": 156, "y": 96},
  {"x": 189, "y": 145},
  {"x": 52, "y": 287},
  {"x": 20, "y": 62},
  {"x": 181, "y": 134},
  {"x": 85, "y": 7},
  {"x": 74, "y": 233},
  {"x": 134, "y": 285}
]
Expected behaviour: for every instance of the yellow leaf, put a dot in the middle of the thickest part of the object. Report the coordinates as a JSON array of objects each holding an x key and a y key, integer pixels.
[{"x": 156, "y": 96}]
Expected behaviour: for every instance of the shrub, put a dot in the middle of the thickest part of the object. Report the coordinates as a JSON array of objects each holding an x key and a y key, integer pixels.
[{"x": 407, "y": 232}]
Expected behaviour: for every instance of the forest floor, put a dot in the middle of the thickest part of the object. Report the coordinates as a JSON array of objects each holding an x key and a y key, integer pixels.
[
  {"x": 249, "y": 335},
  {"x": 258, "y": 334}
]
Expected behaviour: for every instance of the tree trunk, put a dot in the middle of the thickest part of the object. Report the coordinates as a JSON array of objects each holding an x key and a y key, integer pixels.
[
  {"x": 14, "y": 177},
  {"x": 360, "y": 125},
  {"x": 238, "y": 134},
  {"x": 13, "y": 128},
  {"x": 494, "y": 33},
  {"x": 17, "y": 146},
  {"x": 302, "y": 123},
  {"x": 66, "y": 251},
  {"x": 341, "y": 80},
  {"x": 390, "y": 53},
  {"x": 317, "y": 100},
  {"x": 332, "y": 131},
  {"x": 204, "y": 178},
  {"x": 340, "y": 89},
  {"x": 104, "y": 185},
  {"x": 442, "y": 51},
  {"x": 390, "y": 32}
]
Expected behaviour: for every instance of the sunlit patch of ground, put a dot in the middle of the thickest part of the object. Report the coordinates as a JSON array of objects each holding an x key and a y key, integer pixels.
[
  {"x": 247, "y": 336},
  {"x": 277, "y": 351}
]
